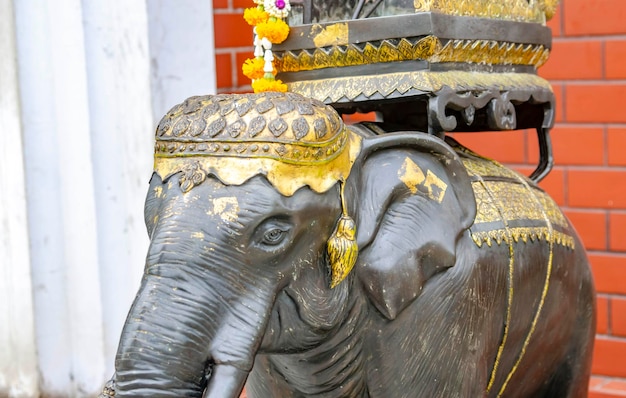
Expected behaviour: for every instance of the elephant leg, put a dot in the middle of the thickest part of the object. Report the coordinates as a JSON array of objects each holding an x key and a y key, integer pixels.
[
  {"x": 571, "y": 380},
  {"x": 265, "y": 381},
  {"x": 571, "y": 377}
]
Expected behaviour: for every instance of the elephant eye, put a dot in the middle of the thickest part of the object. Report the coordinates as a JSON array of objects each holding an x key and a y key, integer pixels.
[
  {"x": 273, "y": 232},
  {"x": 274, "y": 236}
]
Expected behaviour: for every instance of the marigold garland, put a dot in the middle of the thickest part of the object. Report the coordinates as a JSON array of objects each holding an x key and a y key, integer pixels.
[
  {"x": 276, "y": 31},
  {"x": 261, "y": 85},
  {"x": 255, "y": 16},
  {"x": 253, "y": 68},
  {"x": 269, "y": 28}
]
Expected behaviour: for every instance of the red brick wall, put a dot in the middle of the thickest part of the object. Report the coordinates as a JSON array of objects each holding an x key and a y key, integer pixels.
[{"x": 587, "y": 69}]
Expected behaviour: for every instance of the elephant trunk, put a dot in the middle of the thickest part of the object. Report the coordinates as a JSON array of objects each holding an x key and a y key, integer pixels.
[{"x": 184, "y": 334}]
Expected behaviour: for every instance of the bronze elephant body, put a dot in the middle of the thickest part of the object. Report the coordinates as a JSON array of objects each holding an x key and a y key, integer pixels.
[
  {"x": 469, "y": 280},
  {"x": 513, "y": 316}
]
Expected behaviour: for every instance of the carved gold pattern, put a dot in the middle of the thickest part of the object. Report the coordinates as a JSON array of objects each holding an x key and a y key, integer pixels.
[
  {"x": 351, "y": 87},
  {"x": 356, "y": 54},
  {"x": 504, "y": 197},
  {"x": 517, "y": 208},
  {"x": 292, "y": 140},
  {"x": 492, "y": 52},
  {"x": 515, "y": 10},
  {"x": 523, "y": 234},
  {"x": 478, "y": 167},
  {"x": 428, "y": 48}
]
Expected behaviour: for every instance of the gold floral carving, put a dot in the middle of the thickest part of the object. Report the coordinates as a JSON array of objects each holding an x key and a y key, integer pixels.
[
  {"x": 428, "y": 48},
  {"x": 514, "y": 10},
  {"x": 515, "y": 203},
  {"x": 351, "y": 87},
  {"x": 509, "y": 209}
]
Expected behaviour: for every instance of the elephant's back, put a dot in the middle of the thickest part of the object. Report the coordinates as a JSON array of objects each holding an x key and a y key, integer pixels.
[
  {"x": 510, "y": 208},
  {"x": 544, "y": 267}
]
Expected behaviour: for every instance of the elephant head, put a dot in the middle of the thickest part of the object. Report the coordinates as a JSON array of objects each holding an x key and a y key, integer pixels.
[{"x": 255, "y": 211}]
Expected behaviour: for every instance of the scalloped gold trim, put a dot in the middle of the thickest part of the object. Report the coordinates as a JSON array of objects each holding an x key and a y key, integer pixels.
[
  {"x": 286, "y": 177},
  {"x": 524, "y": 234}
]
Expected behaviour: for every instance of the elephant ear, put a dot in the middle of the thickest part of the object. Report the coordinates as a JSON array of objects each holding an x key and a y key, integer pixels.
[{"x": 412, "y": 199}]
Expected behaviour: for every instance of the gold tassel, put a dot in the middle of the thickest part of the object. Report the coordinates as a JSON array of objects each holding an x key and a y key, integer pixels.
[{"x": 342, "y": 248}]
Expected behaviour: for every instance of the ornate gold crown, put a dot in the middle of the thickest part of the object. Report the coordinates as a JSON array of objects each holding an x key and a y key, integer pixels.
[{"x": 292, "y": 140}]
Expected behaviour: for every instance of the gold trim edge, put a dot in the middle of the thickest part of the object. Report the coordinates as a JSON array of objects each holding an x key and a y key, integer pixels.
[
  {"x": 351, "y": 87},
  {"x": 537, "y": 11},
  {"x": 428, "y": 48}
]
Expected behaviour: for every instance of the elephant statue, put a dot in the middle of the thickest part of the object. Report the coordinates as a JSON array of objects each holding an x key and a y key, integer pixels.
[{"x": 301, "y": 257}]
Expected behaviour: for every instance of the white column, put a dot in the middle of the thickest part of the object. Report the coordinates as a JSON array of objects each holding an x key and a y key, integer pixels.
[
  {"x": 182, "y": 51},
  {"x": 84, "y": 71},
  {"x": 122, "y": 130},
  {"x": 61, "y": 206},
  {"x": 18, "y": 358}
]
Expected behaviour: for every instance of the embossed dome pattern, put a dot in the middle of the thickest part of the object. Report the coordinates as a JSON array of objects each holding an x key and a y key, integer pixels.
[
  {"x": 292, "y": 140},
  {"x": 281, "y": 125}
]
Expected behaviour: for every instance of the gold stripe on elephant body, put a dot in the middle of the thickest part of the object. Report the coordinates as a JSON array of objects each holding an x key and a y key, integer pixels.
[
  {"x": 522, "y": 213},
  {"x": 544, "y": 292},
  {"x": 490, "y": 201}
]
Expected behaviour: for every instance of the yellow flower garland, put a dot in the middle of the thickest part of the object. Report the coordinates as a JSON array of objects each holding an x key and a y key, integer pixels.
[
  {"x": 255, "y": 16},
  {"x": 266, "y": 17},
  {"x": 276, "y": 31},
  {"x": 253, "y": 68},
  {"x": 265, "y": 84}
]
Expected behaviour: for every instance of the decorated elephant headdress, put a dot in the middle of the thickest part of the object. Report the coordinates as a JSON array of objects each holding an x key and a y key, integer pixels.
[{"x": 291, "y": 140}]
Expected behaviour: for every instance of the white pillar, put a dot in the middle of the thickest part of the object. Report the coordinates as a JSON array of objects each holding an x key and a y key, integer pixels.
[
  {"x": 18, "y": 358},
  {"x": 62, "y": 214},
  {"x": 118, "y": 69},
  {"x": 84, "y": 73},
  {"x": 182, "y": 51}
]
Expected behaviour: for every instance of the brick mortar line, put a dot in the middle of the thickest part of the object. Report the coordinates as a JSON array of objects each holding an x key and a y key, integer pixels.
[
  {"x": 612, "y": 295},
  {"x": 586, "y": 82},
  {"x": 223, "y": 11},
  {"x": 588, "y": 124},
  {"x": 590, "y": 36},
  {"x": 228, "y": 10},
  {"x": 608, "y": 253},
  {"x": 600, "y": 385},
  {"x": 616, "y": 339},
  {"x": 603, "y": 390},
  {"x": 598, "y": 38},
  {"x": 227, "y": 50},
  {"x": 594, "y": 210},
  {"x": 573, "y": 167},
  {"x": 612, "y": 392}
]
